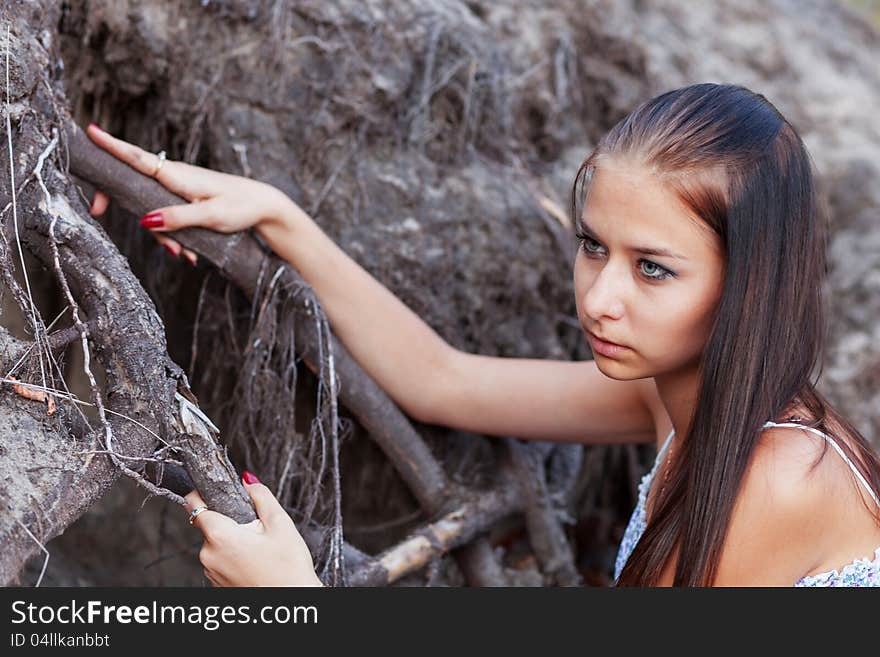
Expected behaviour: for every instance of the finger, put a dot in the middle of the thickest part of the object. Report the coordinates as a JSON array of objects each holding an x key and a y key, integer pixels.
[
  {"x": 99, "y": 203},
  {"x": 210, "y": 523},
  {"x": 136, "y": 157},
  {"x": 268, "y": 509},
  {"x": 175, "y": 217},
  {"x": 183, "y": 179},
  {"x": 213, "y": 562},
  {"x": 193, "y": 499},
  {"x": 211, "y": 577},
  {"x": 215, "y": 577},
  {"x": 255, "y": 526},
  {"x": 172, "y": 246},
  {"x": 191, "y": 256},
  {"x": 213, "y": 525}
]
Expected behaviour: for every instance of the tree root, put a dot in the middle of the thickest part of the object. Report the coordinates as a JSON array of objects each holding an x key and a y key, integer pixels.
[
  {"x": 424, "y": 545},
  {"x": 551, "y": 547},
  {"x": 242, "y": 260}
]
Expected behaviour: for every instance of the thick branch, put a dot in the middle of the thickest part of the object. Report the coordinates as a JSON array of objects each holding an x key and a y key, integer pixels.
[
  {"x": 452, "y": 530},
  {"x": 480, "y": 565},
  {"x": 241, "y": 259},
  {"x": 548, "y": 540}
]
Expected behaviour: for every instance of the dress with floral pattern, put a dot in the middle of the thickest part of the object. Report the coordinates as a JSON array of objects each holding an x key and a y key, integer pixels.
[{"x": 861, "y": 572}]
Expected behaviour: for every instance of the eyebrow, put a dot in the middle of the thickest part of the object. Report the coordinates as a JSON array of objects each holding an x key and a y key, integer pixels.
[{"x": 637, "y": 249}]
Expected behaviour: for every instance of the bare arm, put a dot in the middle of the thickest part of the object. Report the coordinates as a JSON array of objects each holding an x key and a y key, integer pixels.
[
  {"x": 433, "y": 382},
  {"x": 426, "y": 377},
  {"x": 555, "y": 400},
  {"x": 397, "y": 348}
]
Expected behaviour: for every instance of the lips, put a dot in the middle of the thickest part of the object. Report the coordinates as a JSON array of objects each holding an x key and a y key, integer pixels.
[
  {"x": 614, "y": 344},
  {"x": 606, "y": 349}
]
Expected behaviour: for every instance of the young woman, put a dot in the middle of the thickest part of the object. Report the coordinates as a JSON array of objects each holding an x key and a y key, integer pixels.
[{"x": 698, "y": 286}]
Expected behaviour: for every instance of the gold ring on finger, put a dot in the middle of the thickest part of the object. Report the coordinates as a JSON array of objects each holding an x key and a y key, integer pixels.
[
  {"x": 195, "y": 512},
  {"x": 161, "y": 156}
]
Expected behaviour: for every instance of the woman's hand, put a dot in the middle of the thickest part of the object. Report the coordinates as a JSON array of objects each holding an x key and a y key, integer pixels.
[
  {"x": 268, "y": 551},
  {"x": 218, "y": 201}
]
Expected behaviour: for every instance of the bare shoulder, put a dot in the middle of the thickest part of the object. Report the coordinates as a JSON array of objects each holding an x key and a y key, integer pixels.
[
  {"x": 779, "y": 525},
  {"x": 792, "y": 461}
]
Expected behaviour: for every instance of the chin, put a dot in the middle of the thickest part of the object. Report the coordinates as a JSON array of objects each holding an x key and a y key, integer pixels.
[{"x": 616, "y": 370}]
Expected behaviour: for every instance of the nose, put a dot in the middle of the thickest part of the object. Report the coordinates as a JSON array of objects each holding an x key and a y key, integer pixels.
[{"x": 604, "y": 297}]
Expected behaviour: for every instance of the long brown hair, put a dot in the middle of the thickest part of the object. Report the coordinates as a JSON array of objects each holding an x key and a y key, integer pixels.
[{"x": 737, "y": 164}]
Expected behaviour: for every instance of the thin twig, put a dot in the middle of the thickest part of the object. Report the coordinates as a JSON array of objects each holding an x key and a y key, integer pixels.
[
  {"x": 130, "y": 458},
  {"x": 42, "y": 547},
  {"x": 388, "y": 524},
  {"x": 328, "y": 185},
  {"x": 194, "y": 347},
  {"x": 30, "y": 348},
  {"x": 73, "y": 398},
  {"x": 15, "y": 206}
]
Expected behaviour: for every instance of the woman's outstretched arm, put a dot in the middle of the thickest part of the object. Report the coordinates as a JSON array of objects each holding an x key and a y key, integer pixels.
[
  {"x": 429, "y": 379},
  {"x": 394, "y": 345},
  {"x": 436, "y": 383}
]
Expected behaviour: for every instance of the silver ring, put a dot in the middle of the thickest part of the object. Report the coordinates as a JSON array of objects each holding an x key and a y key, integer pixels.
[
  {"x": 161, "y": 156},
  {"x": 195, "y": 512}
]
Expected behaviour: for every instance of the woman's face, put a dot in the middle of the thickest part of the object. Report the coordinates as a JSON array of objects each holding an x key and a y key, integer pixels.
[{"x": 660, "y": 307}]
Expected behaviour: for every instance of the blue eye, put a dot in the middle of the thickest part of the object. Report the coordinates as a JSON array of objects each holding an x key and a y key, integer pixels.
[
  {"x": 661, "y": 272},
  {"x": 654, "y": 272},
  {"x": 588, "y": 242}
]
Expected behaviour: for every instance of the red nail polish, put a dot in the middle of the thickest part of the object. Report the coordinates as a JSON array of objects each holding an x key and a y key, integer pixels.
[
  {"x": 249, "y": 478},
  {"x": 152, "y": 220},
  {"x": 170, "y": 249},
  {"x": 191, "y": 258}
]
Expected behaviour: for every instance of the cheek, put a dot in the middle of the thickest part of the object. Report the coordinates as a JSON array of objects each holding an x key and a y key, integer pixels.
[
  {"x": 685, "y": 324},
  {"x": 703, "y": 307},
  {"x": 583, "y": 280}
]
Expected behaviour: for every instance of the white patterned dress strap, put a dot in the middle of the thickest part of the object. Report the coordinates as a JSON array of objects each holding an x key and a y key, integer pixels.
[
  {"x": 663, "y": 450},
  {"x": 668, "y": 438},
  {"x": 836, "y": 447}
]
